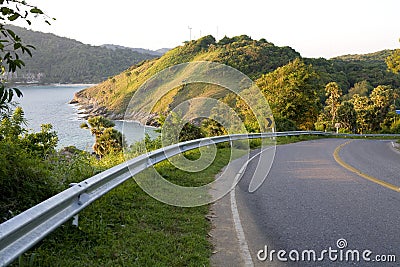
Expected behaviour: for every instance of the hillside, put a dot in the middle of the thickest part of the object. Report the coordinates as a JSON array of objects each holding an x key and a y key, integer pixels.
[
  {"x": 348, "y": 70},
  {"x": 376, "y": 56},
  {"x": 62, "y": 60},
  {"x": 252, "y": 57}
]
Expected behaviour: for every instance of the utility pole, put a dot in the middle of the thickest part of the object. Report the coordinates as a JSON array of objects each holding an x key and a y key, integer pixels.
[{"x": 190, "y": 33}]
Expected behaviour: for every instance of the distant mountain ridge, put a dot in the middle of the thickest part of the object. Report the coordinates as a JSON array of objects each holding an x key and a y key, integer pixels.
[
  {"x": 158, "y": 52},
  {"x": 62, "y": 60},
  {"x": 376, "y": 56}
]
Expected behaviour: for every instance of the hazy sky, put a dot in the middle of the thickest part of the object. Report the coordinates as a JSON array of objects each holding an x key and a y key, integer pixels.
[{"x": 315, "y": 28}]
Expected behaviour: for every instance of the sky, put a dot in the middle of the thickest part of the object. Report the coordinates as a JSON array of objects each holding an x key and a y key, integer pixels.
[{"x": 315, "y": 28}]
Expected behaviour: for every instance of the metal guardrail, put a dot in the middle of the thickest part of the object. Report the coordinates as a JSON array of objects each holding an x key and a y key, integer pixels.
[{"x": 23, "y": 231}]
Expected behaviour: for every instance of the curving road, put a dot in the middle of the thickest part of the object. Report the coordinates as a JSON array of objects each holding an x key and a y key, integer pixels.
[{"x": 311, "y": 203}]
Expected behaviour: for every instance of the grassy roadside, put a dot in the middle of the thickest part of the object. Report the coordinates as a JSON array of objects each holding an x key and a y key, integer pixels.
[{"x": 127, "y": 227}]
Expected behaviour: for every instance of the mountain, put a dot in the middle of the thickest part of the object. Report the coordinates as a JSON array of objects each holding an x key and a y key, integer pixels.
[
  {"x": 252, "y": 57},
  {"x": 62, "y": 60},
  {"x": 158, "y": 52}
]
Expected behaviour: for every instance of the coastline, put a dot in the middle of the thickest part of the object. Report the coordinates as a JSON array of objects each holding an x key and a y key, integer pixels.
[
  {"x": 88, "y": 107},
  {"x": 52, "y": 84}
]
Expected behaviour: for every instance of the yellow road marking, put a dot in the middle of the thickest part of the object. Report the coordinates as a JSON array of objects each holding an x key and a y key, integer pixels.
[{"x": 360, "y": 173}]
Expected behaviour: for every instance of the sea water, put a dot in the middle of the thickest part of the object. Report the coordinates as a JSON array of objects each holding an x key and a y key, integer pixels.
[{"x": 50, "y": 104}]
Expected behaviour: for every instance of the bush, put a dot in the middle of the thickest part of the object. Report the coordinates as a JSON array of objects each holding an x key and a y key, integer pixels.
[
  {"x": 284, "y": 124},
  {"x": 30, "y": 168},
  {"x": 25, "y": 180},
  {"x": 395, "y": 127}
]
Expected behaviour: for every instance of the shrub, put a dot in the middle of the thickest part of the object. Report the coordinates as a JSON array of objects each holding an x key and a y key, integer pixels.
[
  {"x": 25, "y": 179},
  {"x": 284, "y": 124}
]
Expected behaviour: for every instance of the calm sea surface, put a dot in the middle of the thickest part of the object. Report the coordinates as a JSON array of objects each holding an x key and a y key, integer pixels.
[{"x": 49, "y": 104}]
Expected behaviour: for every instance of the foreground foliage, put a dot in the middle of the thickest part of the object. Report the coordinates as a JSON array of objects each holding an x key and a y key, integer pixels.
[
  {"x": 127, "y": 227},
  {"x": 31, "y": 170}
]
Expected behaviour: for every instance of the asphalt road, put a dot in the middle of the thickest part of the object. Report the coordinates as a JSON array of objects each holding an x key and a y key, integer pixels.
[{"x": 310, "y": 202}]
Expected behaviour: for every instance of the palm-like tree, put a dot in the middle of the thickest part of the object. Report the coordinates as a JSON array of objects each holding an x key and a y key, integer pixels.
[{"x": 108, "y": 140}]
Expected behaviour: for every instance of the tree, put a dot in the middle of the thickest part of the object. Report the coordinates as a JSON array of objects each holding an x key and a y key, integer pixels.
[
  {"x": 107, "y": 139},
  {"x": 333, "y": 92},
  {"x": 393, "y": 61},
  {"x": 364, "y": 112},
  {"x": 11, "y": 45},
  {"x": 372, "y": 111},
  {"x": 382, "y": 99},
  {"x": 293, "y": 93},
  {"x": 175, "y": 129},
  {"x": 362, "y": 88},
  {"x": 211, "y": 127},
  {"x": 42, "y": 143},
  {"x": 284, "y": 124},
  {"x": 347, "y": 116}
]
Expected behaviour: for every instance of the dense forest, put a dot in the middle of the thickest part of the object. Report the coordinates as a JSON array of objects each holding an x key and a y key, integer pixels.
[
  {"x": 62, "y": 60},
  {"x": 351, "y": 69}
]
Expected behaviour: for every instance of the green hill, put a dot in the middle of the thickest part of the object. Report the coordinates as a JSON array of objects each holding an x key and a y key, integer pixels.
[
  {"x": 350, "y": 69},
  {"x": 251, "y": 57},
  {"x": 62, "y": 60}
]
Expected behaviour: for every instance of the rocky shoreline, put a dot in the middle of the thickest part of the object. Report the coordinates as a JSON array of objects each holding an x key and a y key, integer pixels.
[{"x": 88, "y": 108}]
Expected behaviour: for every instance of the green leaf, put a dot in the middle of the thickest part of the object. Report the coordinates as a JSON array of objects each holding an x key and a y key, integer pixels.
[
  {"x": 4, "y": 95},
  {"x": 10, "y": 32},
  {"x": 13, "y": 17},
  {"x": 17, "y": 46},
  {"x": 24, "y": 49},
  {"x": 18, "y": 92},
  {"x": 6, "y": 11},
  {"x": 36, "y": 10},
  {"x": 10, "y": 95}
]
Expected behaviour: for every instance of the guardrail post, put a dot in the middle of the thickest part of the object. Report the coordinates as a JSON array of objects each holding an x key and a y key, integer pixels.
[{"x": 75, "y": 218}]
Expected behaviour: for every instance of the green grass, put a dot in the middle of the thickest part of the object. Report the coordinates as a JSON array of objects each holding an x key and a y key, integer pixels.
[{"x": 127, "y": 227}]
